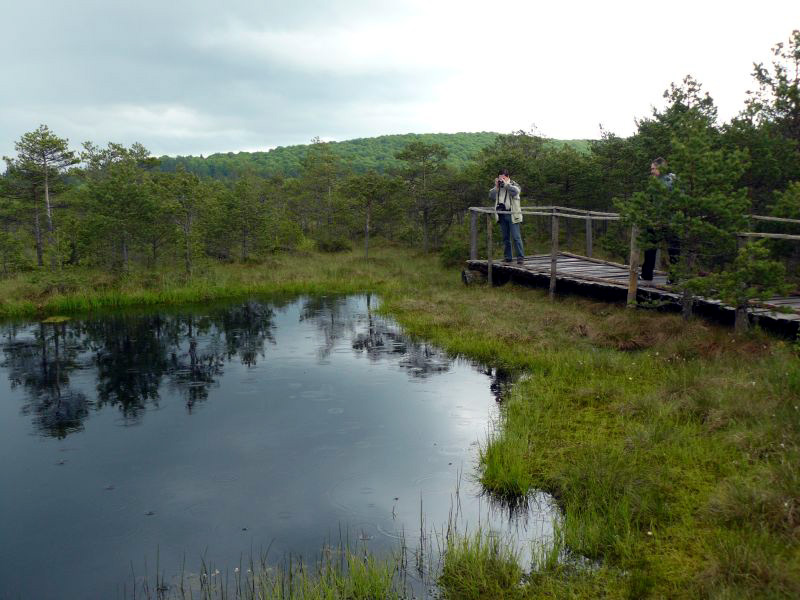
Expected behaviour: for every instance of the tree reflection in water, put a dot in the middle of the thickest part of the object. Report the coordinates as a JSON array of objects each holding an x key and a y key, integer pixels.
[
  {"x": 40, "y": 359},
  {"x": 132, "y": 355},
  {"x": 374, "y": 336}
]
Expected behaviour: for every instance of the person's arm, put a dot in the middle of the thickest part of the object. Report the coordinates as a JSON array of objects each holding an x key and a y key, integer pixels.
[
  {"x": 514, "y": 188},
  {"x": 493, "y": 194}
]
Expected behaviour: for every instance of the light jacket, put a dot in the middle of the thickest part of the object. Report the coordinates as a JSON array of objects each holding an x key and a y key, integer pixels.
[{"x": 510, "y": 196}]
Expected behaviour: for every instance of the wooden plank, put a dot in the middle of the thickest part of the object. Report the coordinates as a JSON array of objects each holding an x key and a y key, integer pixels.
[
  {"x": 784, "y": 299},
  {"x": 569, "y": 258},
  {"x": 774, "y": 236},
  {"x": 553, "y": 254},
  {"x": 583, "y": 267},
  {"x": 607, "y": 262},
  {"x": 489, "y": 249},
  {"x": 473, "y": 235},
  {"x": 597, "y": 270},
  {"x": 654, "y": 291},
  {"x": 548, "y": 210},
  {"x": 633, "y": 276},
  {"x": 774, "y": 219},
  {"x": 601, "y": 282},
  {"x": 588, "y": 236}
]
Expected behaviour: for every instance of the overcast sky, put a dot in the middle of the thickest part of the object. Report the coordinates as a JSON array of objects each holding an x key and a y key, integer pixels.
[{"x": 192, "y": 77}]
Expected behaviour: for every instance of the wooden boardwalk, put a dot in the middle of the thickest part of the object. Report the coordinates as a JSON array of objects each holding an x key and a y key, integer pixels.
[{"x": 607, "y": 280}]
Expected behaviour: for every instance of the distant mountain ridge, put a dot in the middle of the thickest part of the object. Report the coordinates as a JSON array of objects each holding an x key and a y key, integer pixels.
[{"x": 361, "y": 154}]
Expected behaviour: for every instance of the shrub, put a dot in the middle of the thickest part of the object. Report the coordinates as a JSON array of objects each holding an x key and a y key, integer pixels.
[{"x": 333, "y": 245}]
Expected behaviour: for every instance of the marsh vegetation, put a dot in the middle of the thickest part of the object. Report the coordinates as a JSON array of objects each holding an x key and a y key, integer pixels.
[{"x": 672, "y": 447}]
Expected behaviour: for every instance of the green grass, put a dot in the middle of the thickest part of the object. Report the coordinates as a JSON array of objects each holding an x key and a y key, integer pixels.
[
  {"x": 672, "y": 447},
  {"x": 340, "y": 574},
  {"x": 480, "y": 566}
]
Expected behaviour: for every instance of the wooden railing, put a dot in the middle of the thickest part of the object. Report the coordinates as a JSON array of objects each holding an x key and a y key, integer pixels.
[
  {"x": 557, "y": 212},
  {"x": 775, "y": 236}
]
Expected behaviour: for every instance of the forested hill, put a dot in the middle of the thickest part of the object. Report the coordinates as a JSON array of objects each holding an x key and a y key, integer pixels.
[{"x": 361, "y": 155}]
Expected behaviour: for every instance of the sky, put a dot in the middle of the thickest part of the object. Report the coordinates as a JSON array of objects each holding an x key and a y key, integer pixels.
[{"x": 198, "y": 77}]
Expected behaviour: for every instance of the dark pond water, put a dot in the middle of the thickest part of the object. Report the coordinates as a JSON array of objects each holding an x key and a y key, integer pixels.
[{"x": 224, "y": 430}]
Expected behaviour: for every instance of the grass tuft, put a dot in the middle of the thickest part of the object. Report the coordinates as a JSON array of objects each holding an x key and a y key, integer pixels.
[{"x": 478, "y": 566}]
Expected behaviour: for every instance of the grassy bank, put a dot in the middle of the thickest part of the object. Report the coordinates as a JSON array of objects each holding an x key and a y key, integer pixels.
[{"x": 673, "y": 447}]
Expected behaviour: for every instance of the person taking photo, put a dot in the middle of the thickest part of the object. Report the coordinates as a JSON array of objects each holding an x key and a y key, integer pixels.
[{"x": 506, "y": 197}]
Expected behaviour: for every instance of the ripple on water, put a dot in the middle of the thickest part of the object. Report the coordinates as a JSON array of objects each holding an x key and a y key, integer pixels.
[
  {"x": 348, "y": 494},
  {"x": 437, "y": 482}
]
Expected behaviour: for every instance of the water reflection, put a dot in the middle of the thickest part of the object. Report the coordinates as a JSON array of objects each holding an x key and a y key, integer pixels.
[
  {"x": 385, "y": 340},
  {"x": 41, "y": 361},
  {"x": 277, "y": 423},
  {"x": 132, "y": 356}
]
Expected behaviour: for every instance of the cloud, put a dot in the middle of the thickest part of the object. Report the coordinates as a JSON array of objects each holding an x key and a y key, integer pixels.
[{"x": 197, "y": 76}]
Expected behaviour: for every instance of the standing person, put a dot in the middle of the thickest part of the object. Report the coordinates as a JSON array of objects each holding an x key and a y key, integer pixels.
[
  {"x": 506, "y": 194},
  {"x": 657, "y": 169}
]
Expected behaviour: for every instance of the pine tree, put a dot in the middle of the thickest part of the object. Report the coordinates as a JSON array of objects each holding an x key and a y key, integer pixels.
[
  {"x": 42, "y": 158},
  {"x": 120, "y": 197},
  {"x": 185, "y": 198},
  {"x": 752, "y": 275},
  {"x": 777, "y": 99},
  {"x": 370, "y": 192},
  {"x": 705, "y": 208},
  {"x": 422, "y": 161}
]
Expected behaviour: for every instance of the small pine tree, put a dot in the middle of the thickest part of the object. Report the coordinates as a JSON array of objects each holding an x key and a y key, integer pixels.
[
  {"x": 753, "y": 275},
  {"x": 705, "y": 210},
  {"x": 702, "y": 212}
]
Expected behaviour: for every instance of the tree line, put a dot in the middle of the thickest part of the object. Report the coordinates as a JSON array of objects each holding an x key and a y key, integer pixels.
[
  {"x": 119, "y": 207},
  {"x": 361, "y": 155}
]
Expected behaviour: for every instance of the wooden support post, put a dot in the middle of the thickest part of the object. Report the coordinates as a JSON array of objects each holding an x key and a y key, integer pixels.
[
  {"x": 553, "y": 254},
  {"x": 489, "y": 248},
  {"x": 588, "y": 236},
  {"x": 473, "y": 235},
  {"x": 633, "y": 277}
]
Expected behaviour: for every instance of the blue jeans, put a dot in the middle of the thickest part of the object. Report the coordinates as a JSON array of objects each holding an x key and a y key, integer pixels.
[{"x": 510, "y": 230}]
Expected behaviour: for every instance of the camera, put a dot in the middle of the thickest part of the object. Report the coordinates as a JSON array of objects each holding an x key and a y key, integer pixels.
[
  {"x": 501, "y": 183},
  {"x": 501, "y": 207}
]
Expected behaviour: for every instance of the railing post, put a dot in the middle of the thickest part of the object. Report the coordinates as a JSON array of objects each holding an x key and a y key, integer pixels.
[
  {"x": 589, "y": 236},
  {"x": 489, "y": 248},
  {"x": 633, "y": 276},
  {"x": 553, "y": 253},
  {"x": 473, "y": 235}
]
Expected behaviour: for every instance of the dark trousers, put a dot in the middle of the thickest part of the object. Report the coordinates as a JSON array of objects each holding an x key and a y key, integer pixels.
[
  {"x": 510, "y": 230},
  {"x": 649, "y": 264}
]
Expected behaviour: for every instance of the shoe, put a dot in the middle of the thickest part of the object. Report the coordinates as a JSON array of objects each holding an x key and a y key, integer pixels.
[
  {"x": 506, "y": 260},
  {"x": 520, "y": 260}
]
